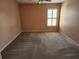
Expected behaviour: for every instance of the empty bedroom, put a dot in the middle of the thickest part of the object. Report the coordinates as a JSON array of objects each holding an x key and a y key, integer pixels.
[{"x": 39, "y": 29}]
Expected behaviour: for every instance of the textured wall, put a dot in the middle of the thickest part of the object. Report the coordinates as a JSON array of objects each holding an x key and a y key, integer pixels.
[
  {"x": 70, "y": 19},
  {"x": 9, "y": 21},
  {"x": 34, "y": 17}
]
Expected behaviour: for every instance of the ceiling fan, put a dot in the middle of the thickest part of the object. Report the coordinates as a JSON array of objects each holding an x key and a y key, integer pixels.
[{"x": 45, "y": 0}]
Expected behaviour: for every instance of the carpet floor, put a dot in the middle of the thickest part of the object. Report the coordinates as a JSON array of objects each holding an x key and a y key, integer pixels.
[{"x": 51, "y": 45}]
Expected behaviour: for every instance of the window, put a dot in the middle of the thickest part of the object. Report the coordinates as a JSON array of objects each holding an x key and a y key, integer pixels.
[{"x": 52, "y": 17}]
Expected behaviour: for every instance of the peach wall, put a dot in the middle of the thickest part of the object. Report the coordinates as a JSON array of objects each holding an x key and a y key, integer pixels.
[
  {"x": 9, "y": 21},
  {"x": 34, "y": 17},
  {"x": 70, "y": 19}
]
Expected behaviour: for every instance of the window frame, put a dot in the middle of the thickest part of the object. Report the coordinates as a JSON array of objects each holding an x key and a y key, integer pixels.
[{"x": 52, "y": 17}]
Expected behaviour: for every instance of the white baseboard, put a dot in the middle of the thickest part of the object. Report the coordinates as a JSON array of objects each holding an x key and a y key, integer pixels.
[
  {"x": 9, "y": 42},
  {"x": 70, "y": 40}
]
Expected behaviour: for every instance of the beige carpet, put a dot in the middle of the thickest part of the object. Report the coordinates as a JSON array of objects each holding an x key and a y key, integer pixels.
[{"x": 41, "y": 46}]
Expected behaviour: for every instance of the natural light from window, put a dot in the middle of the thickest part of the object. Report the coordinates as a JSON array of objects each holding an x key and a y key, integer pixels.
[{"x": 52, "y": 17}]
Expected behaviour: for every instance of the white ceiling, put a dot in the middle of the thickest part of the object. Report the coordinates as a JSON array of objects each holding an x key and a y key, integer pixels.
[{"x": 37, "y": 1}]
